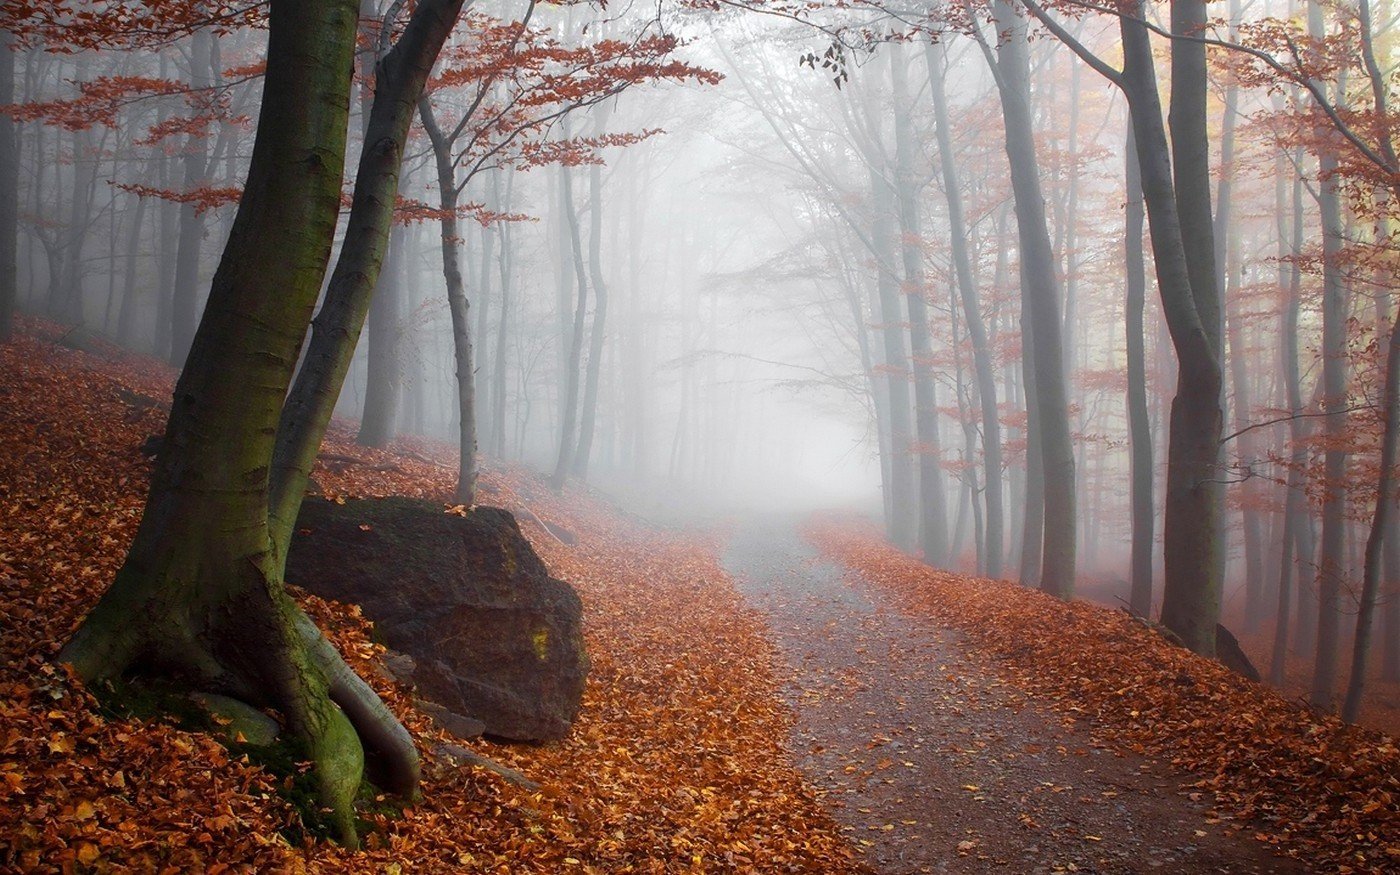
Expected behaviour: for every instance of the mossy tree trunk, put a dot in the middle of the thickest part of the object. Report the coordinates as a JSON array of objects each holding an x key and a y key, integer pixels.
[
  {"x": 200, "y": 598},
  {"x": 400, "y": 74}
]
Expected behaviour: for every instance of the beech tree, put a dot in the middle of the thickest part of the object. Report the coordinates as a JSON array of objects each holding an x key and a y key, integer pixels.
[{"x": 200, "y": 596}]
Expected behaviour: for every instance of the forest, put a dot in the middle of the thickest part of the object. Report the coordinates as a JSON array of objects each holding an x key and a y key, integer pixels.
[{"x": 699, "y": 436}]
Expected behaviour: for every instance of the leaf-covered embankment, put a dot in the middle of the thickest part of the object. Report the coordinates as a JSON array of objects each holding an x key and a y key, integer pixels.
[
  {"x": 1325, "y": 791},
  {"x": 675, "y": 764}
]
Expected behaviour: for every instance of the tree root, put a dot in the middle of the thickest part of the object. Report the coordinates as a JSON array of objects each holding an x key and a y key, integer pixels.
[
  {"x": 389, "y": 751},
  {"x": 287, "y": 665}
]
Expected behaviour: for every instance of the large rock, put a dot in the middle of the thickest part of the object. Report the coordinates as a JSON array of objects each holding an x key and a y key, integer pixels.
[{"x": 491, "y": 635}]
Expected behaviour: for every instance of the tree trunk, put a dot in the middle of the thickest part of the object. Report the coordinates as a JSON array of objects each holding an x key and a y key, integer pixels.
[
  {"x": 1139, "y": 429},
  {"x": 184, "y": 311},
  {"x": 1177, "y": 195},
  {"x": 1386, "y": 500},
  {"x": 972, "y": 313},
  {"x": 126, "y": 318},
  {"x": 1331, "y": 567},
  {"x": 498, "y": 373},
  {"x": 572, "y": 374},
  {"x": 589, "y": 417},
  {"x": 933, "y": 517},
  {"x": 457, "y": 306},
  {"x": 9, "y": 191},
  {"x": 1041, "y": 288},
  {"x": 377, "y": 424},
  {"x": 902, "y": 499},
  {"x": 1227, "y": 280},
  {"x": 399, "y": 79},
  {"x": 200, "y": 596}
]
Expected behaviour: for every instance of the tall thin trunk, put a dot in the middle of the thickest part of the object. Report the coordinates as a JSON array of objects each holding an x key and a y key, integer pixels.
[
  {"x": 184, "y": 311},
  {"x": 1041, "y": 288},
  {"x": 126, "y": 318},
  {"x": 902, "y": 522},
  {"x": 9, "y": 191},
  {"x": 457, "y": 306},
  {"x": 1227, "y": 277},
  {"x": 568, "y": 424},
  {"x": 933, "y": 517},
  {"x": 1386, "y": 500},
  {"x": 972, "y": 313},
  {"x": 589, "y": 412},
  {"x": 498, "y": 373},
  {"x": 1139, "y": 429},
  {"x": 377, "y": 423}
]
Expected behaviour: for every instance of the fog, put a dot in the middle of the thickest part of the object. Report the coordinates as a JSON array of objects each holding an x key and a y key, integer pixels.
[{"x": 753, "y": 203}]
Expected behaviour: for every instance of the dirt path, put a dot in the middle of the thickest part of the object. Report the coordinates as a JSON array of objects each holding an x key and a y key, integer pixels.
[{"x": 932, "y": 764}]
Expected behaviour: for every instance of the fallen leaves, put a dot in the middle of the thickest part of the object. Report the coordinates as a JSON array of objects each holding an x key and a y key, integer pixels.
[
  {"x": 1322, "y": 789},
  {"x": 675, "y": 764}
]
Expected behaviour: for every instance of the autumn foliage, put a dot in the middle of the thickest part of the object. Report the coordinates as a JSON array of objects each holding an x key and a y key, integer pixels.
[
  {"x": 676, "y": 763},
  {"x": 1319, "y": 789}
]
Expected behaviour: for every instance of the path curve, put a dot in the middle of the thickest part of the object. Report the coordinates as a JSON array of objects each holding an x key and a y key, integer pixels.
[{"x": 932, "y": 763}]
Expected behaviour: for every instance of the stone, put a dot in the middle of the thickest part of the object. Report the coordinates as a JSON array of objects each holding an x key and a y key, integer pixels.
[
  {"x": 462, "y": 727},
  {"x": 490, "y": 634}
]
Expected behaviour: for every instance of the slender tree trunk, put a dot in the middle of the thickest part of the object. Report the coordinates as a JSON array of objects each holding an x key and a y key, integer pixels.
[
  {"x": 458, "y": 307},
  {"x": 498, "y": 373},
  {"x": 184, "y": 311},
  {"x": 382, "y": 366},
  {"x": 589, "y": 417},
  {"x": 126, "y": 318},
  {"x": 1139, "y": 429},
  {"x": 168, "y": 231},
  {"x": 1386, "y": 500},
  {"x": 976, "y": 328},
  {"x": 572, "y": 375},
  {"x": 933, "y": 518},
  {"x": 71, "y": 268},
  {"x": 1331, "y": 568},
  {"x": 9, "y": 192},
  {"x": 1038, "y": 277},
  {"x": 902, "y": 529},
  {"x": 1227, "y": 279}
]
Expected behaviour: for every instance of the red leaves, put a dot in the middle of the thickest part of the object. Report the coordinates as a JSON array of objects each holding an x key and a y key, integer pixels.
[
  {"x": 1322, "y": 789},
  {"x": 675, "y": 764}
]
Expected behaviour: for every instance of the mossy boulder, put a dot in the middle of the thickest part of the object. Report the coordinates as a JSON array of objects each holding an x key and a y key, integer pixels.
[{"x": 491, "y": 635}]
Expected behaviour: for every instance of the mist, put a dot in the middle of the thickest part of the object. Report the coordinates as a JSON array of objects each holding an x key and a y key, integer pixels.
[{"x": 995, "y": 281}]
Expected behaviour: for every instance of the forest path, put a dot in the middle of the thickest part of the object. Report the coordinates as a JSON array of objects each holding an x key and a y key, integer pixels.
[{"x": 932, "y": 763}]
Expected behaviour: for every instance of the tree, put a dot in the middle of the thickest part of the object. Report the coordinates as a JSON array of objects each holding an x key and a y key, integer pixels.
[
  {"x": 1191, "y": 601},
  {"x": 201, "y": 591},
  {"x": 9, "y": 189},
  {"x": 976, "y": 328},
  {"x": 1045, "y": 373},
  {"x": 200, "y": 597}
]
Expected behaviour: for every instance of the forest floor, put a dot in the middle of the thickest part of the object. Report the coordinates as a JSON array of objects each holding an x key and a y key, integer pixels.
[
  {"x": 934, "y": 762},
  {"x": 830, "y": 706}
]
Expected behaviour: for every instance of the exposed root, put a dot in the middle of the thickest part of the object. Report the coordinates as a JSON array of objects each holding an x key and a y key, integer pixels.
[{"x": 390, "y": 754}]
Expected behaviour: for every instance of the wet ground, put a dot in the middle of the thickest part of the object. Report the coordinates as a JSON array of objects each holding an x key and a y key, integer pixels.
[{"x": 932, "y": 763}]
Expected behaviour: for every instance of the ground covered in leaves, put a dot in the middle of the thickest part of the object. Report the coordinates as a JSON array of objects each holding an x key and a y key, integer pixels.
[
  {"x": 1322, "y": 791},
  {"x": 676, "y": 763}
]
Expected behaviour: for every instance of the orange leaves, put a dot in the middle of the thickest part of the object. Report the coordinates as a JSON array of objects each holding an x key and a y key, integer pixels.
[
  {"x": 1327, "y": 791},
  {"x": 675, "y": 764}
]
